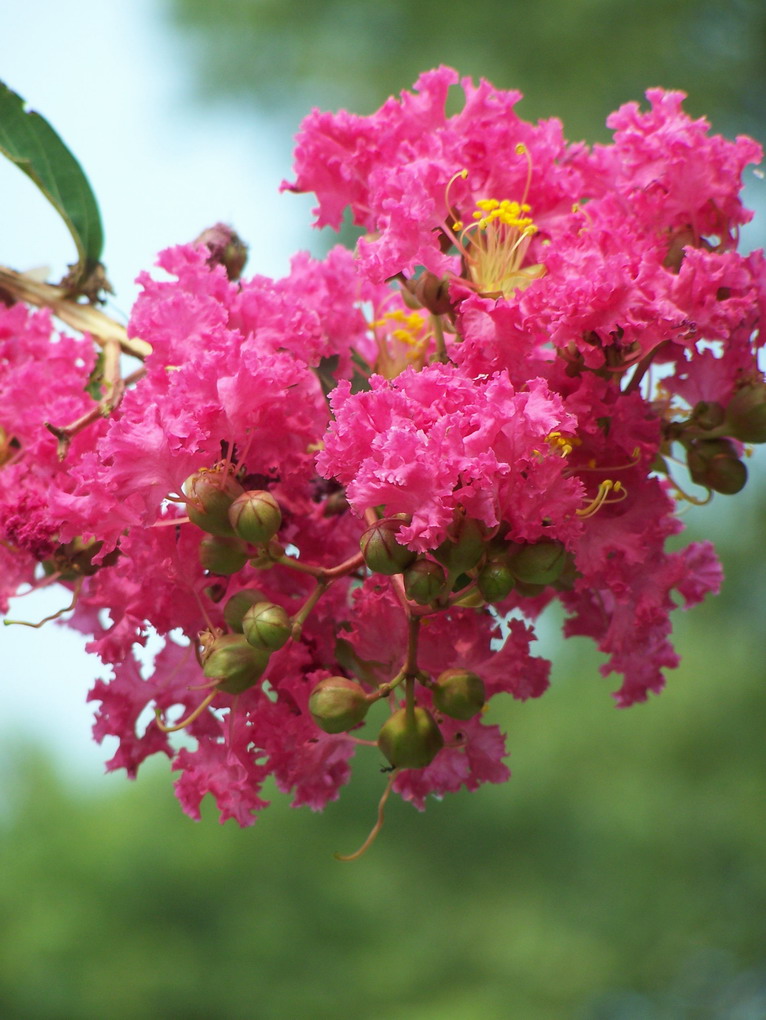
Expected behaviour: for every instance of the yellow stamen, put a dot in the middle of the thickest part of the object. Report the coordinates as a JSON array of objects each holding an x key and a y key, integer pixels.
[
  {"x": 603, "y": 497},
  {"x": 564, "y": 444},
  {"x": 403, "y": 339}
]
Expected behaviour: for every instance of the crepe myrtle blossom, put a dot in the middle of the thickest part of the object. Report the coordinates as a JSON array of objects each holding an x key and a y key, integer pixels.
[{"x": 338, "y": 501}]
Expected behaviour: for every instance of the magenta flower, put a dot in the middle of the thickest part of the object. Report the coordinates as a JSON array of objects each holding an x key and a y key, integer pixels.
[{"x": 537, "y": 350}]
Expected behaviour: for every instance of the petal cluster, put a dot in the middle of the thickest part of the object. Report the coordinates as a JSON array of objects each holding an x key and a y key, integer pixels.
[{"x": 536, "y": 352}]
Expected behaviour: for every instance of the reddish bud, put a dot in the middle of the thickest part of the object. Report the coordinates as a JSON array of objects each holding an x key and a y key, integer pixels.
[
  {"x": 226, "y": 249},
  {"x": 410, "y": 739},
  {"x": 338, "y": 704},
  {"x": 255, "y": 516},
  {"x": 210, "y": 494}
]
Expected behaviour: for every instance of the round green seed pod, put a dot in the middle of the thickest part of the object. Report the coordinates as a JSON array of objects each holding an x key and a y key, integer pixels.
[
  {"x": 495, "y": 580},
  {"x": 266, "y": 625},
  {"x": 464, "y": 545},
  {"x": 540, "y": 563},
  {"x": 382, "y": 553},
  {"x": 255, "y": 516},
  {"x": 746, "y": 413},
  {"x": 211, "y": 493},
  {"x": 234, "y": 663},
  {"x": 222, "y": 554},
  {"x": 338, "y": 704},
  {"x": 714, "y": 463},
  {"x": 410, "y": 740},
  {"x": 424, "y": 582},
  {"x": 238, "y": 605},
  {"x": 458, "y": 693},
  {"x": 708, "y": 414}
]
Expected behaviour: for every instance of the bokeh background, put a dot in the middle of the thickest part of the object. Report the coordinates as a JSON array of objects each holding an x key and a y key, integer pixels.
[{"x": 620, "y": 875}]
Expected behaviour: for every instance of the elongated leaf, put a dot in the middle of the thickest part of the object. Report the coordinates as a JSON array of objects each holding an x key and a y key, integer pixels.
[{"x": 30, "y": 142}]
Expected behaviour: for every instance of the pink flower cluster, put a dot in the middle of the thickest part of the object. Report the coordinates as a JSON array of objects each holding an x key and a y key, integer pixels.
[{"x": 338, "y": 501}]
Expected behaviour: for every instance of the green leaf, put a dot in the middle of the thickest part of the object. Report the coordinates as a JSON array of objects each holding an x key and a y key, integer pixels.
[{"x": 29, "y": 141}]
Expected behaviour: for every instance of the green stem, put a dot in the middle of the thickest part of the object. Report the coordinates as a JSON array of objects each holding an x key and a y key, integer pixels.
[{"x": 301, "y": 616}]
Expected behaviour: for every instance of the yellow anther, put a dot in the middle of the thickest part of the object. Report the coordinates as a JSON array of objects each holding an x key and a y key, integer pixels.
[
  {"x": 563, "y": 444},
  {"x": 403, "y": 339}
]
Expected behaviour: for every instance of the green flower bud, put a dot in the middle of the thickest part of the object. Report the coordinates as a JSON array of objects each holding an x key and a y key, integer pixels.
[
  {"x": 338, "y": 704},
  {"x": 540, "y": 563},
  {"x": 746, "y": 413},
  {"x": 495, "y": 580},
  {"x": 267, "y": 625},
  {"x": 464, "y": 545},
  {"x": 424, "y": 582},
  {"x": 75, "y": 559},
  {"x": 458, "y": 693},
  {"x": 238, "y": 605},
  {"x": 234, "y": 664},
  {"x": 255, "y": 516},
  {"x": 222, "y": 554},
  {"x": 410, "y": 739},
  {"x": 211, "y": 493},
  {"x": 714, "y": 463},
  {"x": 382, "y": 553},
  {"x": 708, "y": 414}
]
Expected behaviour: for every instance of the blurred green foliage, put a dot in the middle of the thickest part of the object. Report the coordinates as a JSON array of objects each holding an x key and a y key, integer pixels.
[{"x": 574, "y": 59}]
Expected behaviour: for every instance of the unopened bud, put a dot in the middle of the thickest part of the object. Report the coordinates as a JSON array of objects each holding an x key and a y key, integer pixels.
[
  {"x": 226, "y": 249},
  {"x": 708, "y": 414},
  {"x": 495, "y": 580},
  {"x": 266, "y": 625},
  {"x": 338, "y": 704},
  {"x": 540, "y": 563},
  {"x": 424, "y": 582},
  {"x": 238, "y": 605},
  {"x": 255, "y": 516},
  {"x": 714, "y": 463},
  {"x": 410, "y": 739},
  {"x": 75, "y": 559},
  {"x": 215, "y": 592},
  {"x": 458, "y": 693},
  {"x": 234, "y": 664},
  {"x": 210, "y": 494},
  {"x": 222, "y": 554},
  {"x": 746, "y": 413},
  {"x": 382, "y": 553},
  {"x": 464, "y": 545}
]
